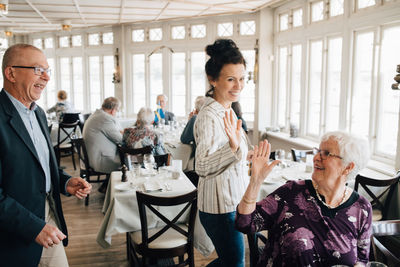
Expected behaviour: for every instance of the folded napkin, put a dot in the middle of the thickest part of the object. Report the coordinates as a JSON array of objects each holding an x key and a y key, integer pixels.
[{"x": 152, "y": 186}]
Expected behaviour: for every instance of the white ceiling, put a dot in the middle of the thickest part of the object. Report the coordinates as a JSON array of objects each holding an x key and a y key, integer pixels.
[{"x": 27, "y": 16}]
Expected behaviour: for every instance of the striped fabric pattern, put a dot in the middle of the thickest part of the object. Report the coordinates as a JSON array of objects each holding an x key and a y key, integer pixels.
[{"x": 223, "y": 174}]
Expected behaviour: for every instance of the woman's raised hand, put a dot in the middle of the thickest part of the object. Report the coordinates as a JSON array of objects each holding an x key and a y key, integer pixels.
[
  {"x": 232, "y": 130},
  {"x": 260, "y": 162}
]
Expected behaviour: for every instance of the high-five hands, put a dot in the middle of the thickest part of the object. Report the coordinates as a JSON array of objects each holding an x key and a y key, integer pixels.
[
  {"x": 233, "y": 130},
  {"x": 260, "y": 162}
]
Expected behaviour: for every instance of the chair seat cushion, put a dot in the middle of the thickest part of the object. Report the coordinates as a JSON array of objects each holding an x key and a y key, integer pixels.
[
  {"x": 65, "y": 146},
  {"x": 170, "y": 239},
  {"x": 376, "y": 215}
]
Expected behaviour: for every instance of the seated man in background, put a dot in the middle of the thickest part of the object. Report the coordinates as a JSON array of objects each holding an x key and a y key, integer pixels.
[
  {"x": 101, "y": 133},
  {"x": 142, "y": 135},
  {"x": 161, "y": 113}
]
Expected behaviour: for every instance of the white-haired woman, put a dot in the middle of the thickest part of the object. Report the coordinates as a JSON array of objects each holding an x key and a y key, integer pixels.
[
  {"x": 142, "y": 135},
  {"x": 317, "y": 222}
]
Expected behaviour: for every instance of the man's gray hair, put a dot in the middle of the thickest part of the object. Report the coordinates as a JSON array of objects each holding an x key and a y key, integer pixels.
[
  {"x": 111, "y": 103},
  {"x": 145, "y": 116},
  {"x": 352, "y": 149},
  {"x": 199, "y": 102},
  {"x": 13, "y": 52}
]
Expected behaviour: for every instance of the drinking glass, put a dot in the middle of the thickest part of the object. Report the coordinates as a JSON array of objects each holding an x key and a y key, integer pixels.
[
  {"x": 136, "y": 169},
  {"x": 148, "y": 161}
]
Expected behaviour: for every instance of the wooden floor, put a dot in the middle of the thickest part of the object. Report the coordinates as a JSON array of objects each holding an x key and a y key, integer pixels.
[{"x": 83, "y": 223}]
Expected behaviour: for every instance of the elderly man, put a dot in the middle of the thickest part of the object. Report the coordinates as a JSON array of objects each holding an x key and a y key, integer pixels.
[
  {"x": 31, "y": 215},
  {"x": 101, "y": 133},
  {"x": 161, "y": 113}
]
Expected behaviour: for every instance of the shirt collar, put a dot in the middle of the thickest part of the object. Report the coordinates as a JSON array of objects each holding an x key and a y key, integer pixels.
[
  {"x": 18, "y": 105},
  {"x": 215, "y": 105}
]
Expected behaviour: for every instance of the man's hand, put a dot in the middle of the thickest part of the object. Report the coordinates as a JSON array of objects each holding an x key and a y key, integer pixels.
[
  {"x": 49, "y": 236},
  {"x": 78, "y": 187}
]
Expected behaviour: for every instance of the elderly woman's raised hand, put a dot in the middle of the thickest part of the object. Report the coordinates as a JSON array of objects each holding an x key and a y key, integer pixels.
[
  {"x": 260, "y": 162},
  {"x": 233, "y": 130}
]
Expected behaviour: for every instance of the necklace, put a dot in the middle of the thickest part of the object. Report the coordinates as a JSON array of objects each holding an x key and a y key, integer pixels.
[{"x": 323, "y": 202}]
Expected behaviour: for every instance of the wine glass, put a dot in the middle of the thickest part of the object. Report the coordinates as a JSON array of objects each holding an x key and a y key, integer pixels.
[
  {"x": 148, "y": 161},
  {"x": 280, "y": 155}
]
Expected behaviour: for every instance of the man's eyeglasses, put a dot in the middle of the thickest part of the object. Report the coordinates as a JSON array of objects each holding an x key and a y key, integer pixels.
[
  {"x": 325, "y": 153},
  {"x": 37, "y": 70}
]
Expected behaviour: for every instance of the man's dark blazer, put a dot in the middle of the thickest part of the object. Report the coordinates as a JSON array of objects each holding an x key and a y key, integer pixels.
[{"x": 22, "y": 188}]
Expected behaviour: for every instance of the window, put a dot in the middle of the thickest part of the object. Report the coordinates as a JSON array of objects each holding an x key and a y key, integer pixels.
[
  {"x": 94, "y": 82},
  {"x": 156, "y": 78},
  {"x": 77, "y": 73},
  {"x": 178, "y": 32},
  {"x": 336, "y": 8},
  {"x": 108, "y": 38},
  {"x": 178, "y": 82},
  {"x": 282, "y": 86},
  {"x": 108, "y": 67},
  {"x": 51, "y": 84},
  {"x": 76, "y": 40},
  {"x": 198, "y": 31},
  {"x": 365, "y": 3},
  {"x": 3, "y": 45},
  {"x": 138, "y": 35},
  {"x": 64, "y": 41},
  {"x": 317, "y": 11},
  {"x": 155, "y": 34},
  {"x": 283, "y": 22},
  {"x": 295, "y": 88},
  {"x": 48, "y": 42},
  {"x": 94, "y": 39},
  {"x": 138, "y": 82},
  {"x": 225, "y": 29},
  {"x": 65, "y": 70},
  {"x": 248, "y": 27},
  {"x": 297, "y": 17},
  {"x": 38, "y": 43},
  {"x": 198, "y": 79},
  {"x": 247, "y": 97}
]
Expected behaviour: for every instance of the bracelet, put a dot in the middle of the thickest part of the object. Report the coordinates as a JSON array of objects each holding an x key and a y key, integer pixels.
[{"x": 249, "y": 201}]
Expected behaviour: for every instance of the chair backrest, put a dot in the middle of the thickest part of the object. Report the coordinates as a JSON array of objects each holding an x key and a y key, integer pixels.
[
  {"x": 254, "y": 248},
  {"x": 66, "y": 132},
  {"x": 79, "y": 143},
  {"x": 70, "y": 117},
  {"x": 163, "y": 160},
  {"x": 298, "y": 155},
  {"x": 124, "y": 151},
  {"x": 378, "y": 200},
  {"x": 386, "y": 242},
  {"x": 272, "y": 155},
  {"x": 150, "y": 201}
]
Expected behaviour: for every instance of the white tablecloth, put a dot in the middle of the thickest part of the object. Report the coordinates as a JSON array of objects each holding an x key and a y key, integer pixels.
[{"x": 122, "y": 214}]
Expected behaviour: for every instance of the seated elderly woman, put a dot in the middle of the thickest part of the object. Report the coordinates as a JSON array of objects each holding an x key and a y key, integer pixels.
[
  {"x": 317, "y": 222},
  {"x": 142, "y": 135}
]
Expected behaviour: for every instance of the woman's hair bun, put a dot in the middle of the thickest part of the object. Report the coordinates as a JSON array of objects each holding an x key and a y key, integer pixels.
[{"x": 220, "y": 46}]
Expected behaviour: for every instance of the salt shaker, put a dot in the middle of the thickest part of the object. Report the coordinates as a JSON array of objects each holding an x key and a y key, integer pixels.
[{"x": 123, "y": 177}]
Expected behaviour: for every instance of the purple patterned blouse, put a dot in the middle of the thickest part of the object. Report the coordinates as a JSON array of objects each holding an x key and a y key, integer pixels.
[{"x": 303, "y": 232}]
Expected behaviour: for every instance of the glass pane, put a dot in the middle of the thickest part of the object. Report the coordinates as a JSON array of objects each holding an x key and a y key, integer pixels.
[
  {"x": 155, "y": 34},
  {"x": 51, "y": 85},
  {"x": 139, "y": 85},
  {"x": 156, "y": 81},
  {"x": 198, "y": 31},
  {"x": 76, "y": 40},
  {"x": 64, "y": 41},
  {"x": 248, "y": 27},
  {"x": 362, "y": 82},
  {"x": 335, "y": 7},
  {"x": 48, "y": 42},
  {"x": 38, "y": 43},
  {"x": 296, "y": 86},
  {"x": 333, "y": 73},
  {"x": 283, "y": 22},
  {"x": 94, "y": 80},
  {"x": 108, "y": 65},
  {"x": 198, "y": 76},
  {"x": 317, "y": 11},
  {"x": 178, "y": 32},
  {"x": 225, "y": 29},
  {"x": 94, "y": 39},
  {"x": 65, "y": 74},
  {"x": 138, "y": 35},
  {"x": 282, "y": 86},
  {"x": 247, "y": 97},
  {"x": 314, "y": 106},
  {"x": 108, "y": 38},
  {"x": 77, "y": 73},
  {"x": 387, "y": 126},
  {"x": 3, "y": 43},
  {"x": 365, "y": 3},
  {"x": 297, "y": 17},
  {"x": 178, "y": 82}
]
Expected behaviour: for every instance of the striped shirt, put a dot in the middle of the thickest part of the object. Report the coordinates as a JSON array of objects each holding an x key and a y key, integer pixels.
[{"x": 223, "y": 174}]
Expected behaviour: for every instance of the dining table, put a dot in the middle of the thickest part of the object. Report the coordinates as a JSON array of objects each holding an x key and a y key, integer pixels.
[{"x": 120, "y": 208}]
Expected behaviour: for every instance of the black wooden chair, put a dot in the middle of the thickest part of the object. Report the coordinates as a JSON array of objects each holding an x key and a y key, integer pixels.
[
  {"x": 380, "y": 203},
  {"x": 385, "y": 241},
  {"x": 86, "y": 172},
  {"x": 64, "y": 146},
  {"x": 255, "y": 248},
  {"x": 298, "y": 155},
  {"x": 163, "y": 160},
  {"x": 124, "y": 152},
  {"x": 172, "y": 240}
]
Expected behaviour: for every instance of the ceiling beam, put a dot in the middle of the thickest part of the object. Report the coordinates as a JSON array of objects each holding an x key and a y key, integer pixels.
[
  {"x": 121, "y": 10},
  {"x": 79, "y": 11},
  {"x": 162, "y": 11},
  {"x": 37, "y": 11}
]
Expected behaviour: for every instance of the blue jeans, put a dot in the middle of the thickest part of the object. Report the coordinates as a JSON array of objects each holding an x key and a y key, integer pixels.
[{"x": 228, "y": 242}]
